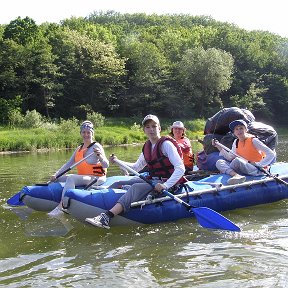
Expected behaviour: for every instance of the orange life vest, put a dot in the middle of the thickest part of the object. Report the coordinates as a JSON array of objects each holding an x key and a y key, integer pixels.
[
  {"x": 84, "y": 168},
  {"x": 247, "y": 150},
  {"x": 188, "y": 157}
]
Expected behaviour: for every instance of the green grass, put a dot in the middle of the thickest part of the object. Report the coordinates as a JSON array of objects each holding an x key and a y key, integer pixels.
[{"x": 117, "y": 131}]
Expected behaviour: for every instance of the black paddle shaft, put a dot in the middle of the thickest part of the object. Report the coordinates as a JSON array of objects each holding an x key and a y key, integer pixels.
[
  {"x": 279, "y": 180},
  {"x": 206, "y": 217},
  {"x": 185, "y": 204}
]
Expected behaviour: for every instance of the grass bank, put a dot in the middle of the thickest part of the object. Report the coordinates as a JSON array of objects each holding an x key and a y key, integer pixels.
[{"x": 116, "y": 131}]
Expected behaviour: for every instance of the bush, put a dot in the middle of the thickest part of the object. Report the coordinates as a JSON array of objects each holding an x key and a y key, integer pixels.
[
  {"x": 32, "y": 119},
  {"x": 69, "y": 125},
  {"x": 97, "y": 119},
  {"x": 135, "y": 127},
  {"x": 15, "y": 118},
  {"x": 50, "y": 126},
  {"x": 195, "y": 125}
]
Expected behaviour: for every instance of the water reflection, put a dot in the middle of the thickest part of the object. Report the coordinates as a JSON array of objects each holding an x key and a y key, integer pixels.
[{"x": 180, "y": 254}]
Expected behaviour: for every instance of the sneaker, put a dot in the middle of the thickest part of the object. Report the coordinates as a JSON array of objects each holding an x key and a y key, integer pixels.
[
  {"x": 237, "y": 179},
  {"x": 65, "y": 210},
  {"x": 101, "y": 220}
]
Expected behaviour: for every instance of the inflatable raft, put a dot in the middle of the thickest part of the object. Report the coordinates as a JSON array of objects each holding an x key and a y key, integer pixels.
[
  {"x": 46, "y": 197},
  {"x": 212, "y": 192}
]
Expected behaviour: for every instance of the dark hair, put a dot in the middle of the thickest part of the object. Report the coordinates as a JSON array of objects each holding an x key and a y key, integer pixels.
[{"x": 172, "y": 135}]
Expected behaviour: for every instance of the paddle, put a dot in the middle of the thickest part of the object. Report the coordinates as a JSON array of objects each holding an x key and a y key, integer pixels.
[
  {"x": 91, "y": 183},
  {"x": 206, "y": 217},
  {"x": 279, "y": 180},
  {"x": 67, "y": 170},
  {"x": 16, "y": 199}
]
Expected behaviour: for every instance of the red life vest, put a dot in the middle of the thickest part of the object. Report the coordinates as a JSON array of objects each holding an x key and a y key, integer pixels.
[
  {"x": 85, "y": 168},
  {"x": 247, "y": 150},
  {"x": 158, "y": 164}
]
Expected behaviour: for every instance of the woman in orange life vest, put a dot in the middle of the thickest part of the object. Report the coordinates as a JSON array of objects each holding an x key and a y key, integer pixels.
[
  {"x": 247, "y": 146},
  {"x": 178, "y": 133},
  {"x": 93, "y": 167}
]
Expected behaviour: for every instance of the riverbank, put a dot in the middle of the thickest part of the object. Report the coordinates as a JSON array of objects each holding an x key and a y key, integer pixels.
[{"x": 114, "y": 132}]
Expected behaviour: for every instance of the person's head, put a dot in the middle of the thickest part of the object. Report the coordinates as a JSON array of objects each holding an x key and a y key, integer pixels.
[
  {"x": 87, "y": 129},
  {"x": 177, "y": 129},
  {"x": 150, "y": 123},
  {"x": 238, "y": 126}
]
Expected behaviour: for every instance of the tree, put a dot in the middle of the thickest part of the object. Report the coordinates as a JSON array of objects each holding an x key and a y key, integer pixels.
[
  {"x": 148, "y": 74},
  {"x": 176, "y": 65},
  {"x": 42, "y": 77},
  {"x": 7, "y": 107},
  {"x": 94, "y": 31},
  {"x": 276, "y": 97},
  {"x": 22, "y": 31},
  {"x": 12, "y": 62},
  {"x": 91, "y": 69},
  {"x": 204, "y": 75},
  {"x": 252, "y": 101}
]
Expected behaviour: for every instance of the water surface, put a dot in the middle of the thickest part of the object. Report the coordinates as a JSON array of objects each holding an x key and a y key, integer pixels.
[{"x": 39, "y": 250}]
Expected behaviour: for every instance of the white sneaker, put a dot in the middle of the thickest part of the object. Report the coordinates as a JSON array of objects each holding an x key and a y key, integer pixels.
[
  {"x": 237, "y": 179},
  {"x": 101, "y": 220},
  {"x": 65, "y": 211}
]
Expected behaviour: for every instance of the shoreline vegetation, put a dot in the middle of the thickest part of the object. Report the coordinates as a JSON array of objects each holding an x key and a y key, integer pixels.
[
  {"x": 113, "y": 132},
  {"x": 41, "y": 135},
  {"x": 133, "y": 64}
]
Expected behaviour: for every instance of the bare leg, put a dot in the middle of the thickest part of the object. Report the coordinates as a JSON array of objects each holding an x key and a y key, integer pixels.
[{"x": 117, "y": 209}]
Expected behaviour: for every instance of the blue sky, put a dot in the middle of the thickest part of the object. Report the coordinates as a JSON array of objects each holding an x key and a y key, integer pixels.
[{"x": 248, "y": 14}]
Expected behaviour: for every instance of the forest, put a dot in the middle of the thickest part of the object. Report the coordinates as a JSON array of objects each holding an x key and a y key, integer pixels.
[{"x": 128, "y": 65}]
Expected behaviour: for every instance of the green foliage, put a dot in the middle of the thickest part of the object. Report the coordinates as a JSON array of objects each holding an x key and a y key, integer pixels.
[
  {"x": 68, "y": 125},
  {"x": 8, "y": 108},
  {"x": 15, "y": 118},
  {"x": 130, "y": 65},
  {"x": 205, "y": 74},
  {"x": 44, "y": 84},
  {"x": 116, "y": 135},
  {"x": 253, "y": 100},
  {"x": 195, "y": 125},
  {"x": 97, "y": 119},
  {"x": 136, "y": 127},
  {"x": 32, "y": 119},
  {"x": 90, "y": 69},
  {"x": 66, "y": 135},
  {"x": 22, "y": 31},
  {"x": 94, "y": 31}
]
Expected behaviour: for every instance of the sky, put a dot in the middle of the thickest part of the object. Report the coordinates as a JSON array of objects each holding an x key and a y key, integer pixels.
[{"x": 266, "y": 15}]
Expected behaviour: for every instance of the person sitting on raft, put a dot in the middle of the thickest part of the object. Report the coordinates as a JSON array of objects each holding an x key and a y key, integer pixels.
[
  {"x": 163, "y": 157},
  {"x": 178, "y": 133},
  {"x": 93, "y": 167},
  {"x": 247, "y": 146}
]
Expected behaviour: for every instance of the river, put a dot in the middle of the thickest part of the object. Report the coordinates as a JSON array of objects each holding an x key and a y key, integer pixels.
[{"x": 37, "y": 250}]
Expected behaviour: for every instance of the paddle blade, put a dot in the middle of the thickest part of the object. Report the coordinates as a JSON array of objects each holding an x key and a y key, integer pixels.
[
  {"x": 209, "y": 218},
  {"x": 15, "y": 200}
]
